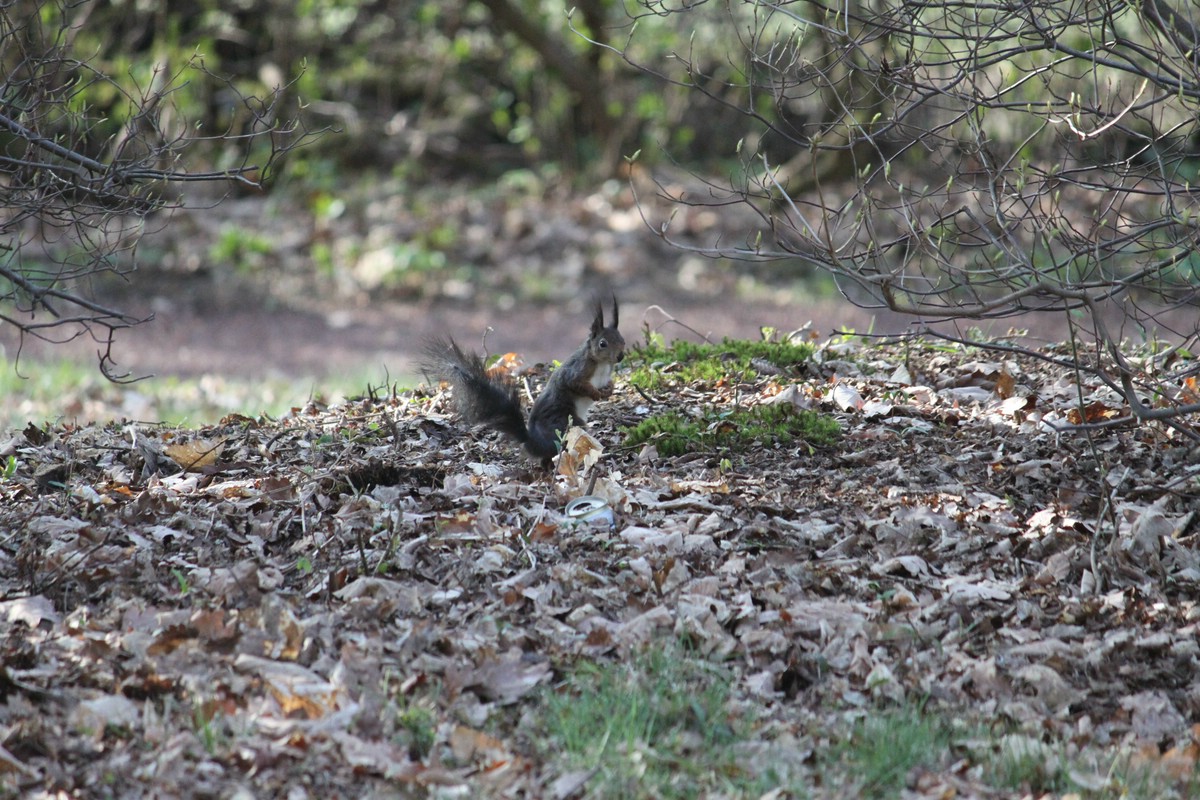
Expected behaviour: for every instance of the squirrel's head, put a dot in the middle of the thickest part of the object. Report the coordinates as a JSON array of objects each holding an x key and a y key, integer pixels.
[{"x": 606, "y": 342}]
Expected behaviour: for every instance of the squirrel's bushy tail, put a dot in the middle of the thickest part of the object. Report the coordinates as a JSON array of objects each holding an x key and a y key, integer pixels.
[{"x": 480, "y": 398}]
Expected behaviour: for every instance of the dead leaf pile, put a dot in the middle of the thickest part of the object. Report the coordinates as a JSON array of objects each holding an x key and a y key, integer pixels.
[{"x": 273, "y": 606}]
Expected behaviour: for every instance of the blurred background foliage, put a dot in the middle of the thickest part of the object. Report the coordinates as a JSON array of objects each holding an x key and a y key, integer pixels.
[
  {"x": 427, "y": 88},
  {"x": 479, "y": 87},
  {"x": 522, "y": 95},
  {"x": 449, "y": 126}
]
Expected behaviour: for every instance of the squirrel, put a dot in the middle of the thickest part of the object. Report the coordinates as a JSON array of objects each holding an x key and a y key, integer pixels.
[{"x": 491, "y": 400}]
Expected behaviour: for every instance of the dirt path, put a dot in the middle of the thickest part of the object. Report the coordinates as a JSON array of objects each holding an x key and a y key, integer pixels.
[{"x": 289, "y": 343}]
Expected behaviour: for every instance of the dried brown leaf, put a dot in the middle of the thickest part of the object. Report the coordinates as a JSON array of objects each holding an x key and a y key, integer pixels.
[{"x": 196, "y": 454}]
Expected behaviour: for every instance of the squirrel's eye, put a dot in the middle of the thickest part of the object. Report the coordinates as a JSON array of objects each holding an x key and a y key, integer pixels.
[{"x": 603, "y": 343}]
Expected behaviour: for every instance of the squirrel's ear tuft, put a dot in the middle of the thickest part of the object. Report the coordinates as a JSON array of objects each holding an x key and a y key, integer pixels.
[
  {"x": 614, "y": 314},
  {"x": 598, "y": 319}
]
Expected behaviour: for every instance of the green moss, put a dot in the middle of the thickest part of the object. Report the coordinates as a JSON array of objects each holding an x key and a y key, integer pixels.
[
  {"x": 671, "y": 433},
  {"x": 732, "y": 430},
  {"x": 656, "y": 365}
]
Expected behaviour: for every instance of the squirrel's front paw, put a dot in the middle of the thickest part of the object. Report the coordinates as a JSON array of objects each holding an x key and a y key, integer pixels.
[{"x": 605, "y": 392}]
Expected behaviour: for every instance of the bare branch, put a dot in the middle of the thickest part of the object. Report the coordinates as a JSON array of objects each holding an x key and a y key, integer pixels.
[{"x": 79, "y": 183}]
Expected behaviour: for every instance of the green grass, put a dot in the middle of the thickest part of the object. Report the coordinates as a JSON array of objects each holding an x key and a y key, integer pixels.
[
  {"x": 76, "y": 392},
  {"x": 665, "y": 724},
  {"x": 243, "y": 249},
  {"x": 887, "y": 745},
  {"x": 655, "y": 366},
  {"x": 417, "y": 730},
  {"x": 659, "y": 725},
  {"x": 880, "y": 753},
  {"x": 1024, "y": 764},
  {"x": 732, "y": 430}
]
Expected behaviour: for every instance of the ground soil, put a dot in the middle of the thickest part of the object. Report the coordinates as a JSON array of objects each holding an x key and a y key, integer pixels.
[{"x": 262, "y": 336}]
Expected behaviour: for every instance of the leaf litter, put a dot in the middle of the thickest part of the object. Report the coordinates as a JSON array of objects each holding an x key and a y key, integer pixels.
[{"x": 370, "y": 596}]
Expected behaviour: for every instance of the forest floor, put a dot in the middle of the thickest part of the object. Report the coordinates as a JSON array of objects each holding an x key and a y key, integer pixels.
[
  {"x": 954, "y": 597},
  {"x": 961, "y": 595}
]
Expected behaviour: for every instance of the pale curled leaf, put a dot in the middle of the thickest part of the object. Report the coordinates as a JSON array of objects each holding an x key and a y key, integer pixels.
[
  {"x": 790, "y": 396},
  {"x": 195, "y": 454},
  {"x": 29, "y": 610},
  {"x": 505, "y": 679},
  {"x": 297, "y": 689},
  {"x": 580, "y": 453},
  {"x": 912, "y": 565},
  {"x": 846, "y": 397},
  {"x": 970, "y": 590},
  {"x": 1155, "y": 717}
]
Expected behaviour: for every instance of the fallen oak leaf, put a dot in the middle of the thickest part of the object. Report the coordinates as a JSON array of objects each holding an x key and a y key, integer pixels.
[
  {"x": 1096, "y": 411},
  {"x": 1006, "y": 385},
  {"x": 95, "y": 714},
  {"x": 543, "y": 532},
  {"x": 914, "y": 566},
  {"x": 170, "y": 638},
  {"x": 505, "y": 365},
  {"x": 143, "y": 686},
  {"x": 1180, "y": 762},
  {"x": 30, "y": 610},
  {"x": 1154, "y": 716},
  {"x": 470, "y": 745},
  {"x": 379, "y": 757},
  {"x": 965, "y": 589},
  {"x": 1017, "y": 404},
  {"x": 599, "y": 637},
  {"x": 580, "y": 453},
  {"x": 298, "y": 690},
  {"x": 1190, "y": 391},
  {"x": 277, "y": 489},
  {"x": 789, "y": 396},
  {"x": 571, "y": 783},
  {"x": 876, "y": 409},
  {"x": 215, "y": 627}
]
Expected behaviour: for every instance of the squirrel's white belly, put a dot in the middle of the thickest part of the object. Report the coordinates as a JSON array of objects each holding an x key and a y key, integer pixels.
[
  {"x": 583, "y": 407},
  {"x": 602, "y": 376}
]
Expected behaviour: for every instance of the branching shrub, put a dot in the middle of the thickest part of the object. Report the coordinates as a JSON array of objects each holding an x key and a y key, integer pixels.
[
  {"x": 89, "y": 159},
  {"x": 957, "y": 161}
]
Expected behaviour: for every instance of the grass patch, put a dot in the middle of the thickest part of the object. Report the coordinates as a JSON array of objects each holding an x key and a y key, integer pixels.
[
  {"x": 76, "y": 392},
  {"x": 656, "y": 365},
  {"x": 659, "y": 725},
  {"x": 1028, "y": 765},
  {"x": 732, "y": 430},
  {"x": 886, "y": 746},
  {"x": 885, "y": 751}
]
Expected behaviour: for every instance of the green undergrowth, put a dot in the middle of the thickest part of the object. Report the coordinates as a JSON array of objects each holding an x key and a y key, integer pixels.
[
  {"x": 656, "y": 365},
  {"x": 883, "y": 748},
  {"x": 732, "y": 430}
]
